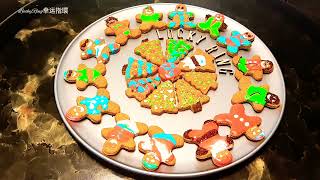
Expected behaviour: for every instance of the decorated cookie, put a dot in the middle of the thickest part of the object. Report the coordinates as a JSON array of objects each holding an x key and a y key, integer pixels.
[
  {"x": 202, "y": 81},
  {"x": 150, "y": 19},
  {"x": 241, "y": 124},
  {"x": 158, "y": 148},
  {"x": 169, "y": 71},
  {"x": 177, "y": 50},
  {"x": 181, "y": 18},
  {"x": 189, "y": 97},
  {"x": 137, "y": 68},
  {"x": 122, "y": 135},
  {"x": 151, "y": 51},
  {"x": 121, "y": 30},
  {"x": 211, "y": 144},
  {"x": 236, "y": 42},
  {"x": 254, "y": 67},
  {"x": 213, "y": 25},
  {"x": 99, "y": 49},
  {"x": 142, "y": 87},
  {"x": 198, "y": 61},
  {"x": 93, "y": 108},
  {"x": 85, "y": 76},
  {"x": 162, "y": 99},
  {"x": 257, "y": 96}
]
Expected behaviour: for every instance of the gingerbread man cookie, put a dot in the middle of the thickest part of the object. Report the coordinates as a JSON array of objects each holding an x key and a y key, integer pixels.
[
  {"x": 213, "y": 25},
  {"x": 198, "y": 61},
  {"x": 254, "y": 67},
  {"x": 121, "y": 30},
  {"x": 149, "y": 20},
  {"x": 236, "y": 42},
  {"x": 85, "y": 76},
  {"x": 240, "y": 123},
  {"x": 257, "y": 96},
  {"x": 93, "y": 108},
  {"x": 99, "y": 49},
  {"x": 181, "y": 18},
  {"x": 122, "y": 135},
  {"x": 158, "y": 148},
  {"x": 211, "y": 144}
]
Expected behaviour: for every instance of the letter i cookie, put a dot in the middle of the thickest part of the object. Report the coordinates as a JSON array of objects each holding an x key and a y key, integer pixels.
[
  {"x": 121, "y": 30},
  {"x": 257, "y": 96},
  {"x": 211, "y": 144},
  {"x": 240, "y": 123},
  {"x": 85, "y": 76},
  {"x": 150, "y": 19},
  {"x": 99, "y": 49},
  {"x": 236, "y": 42},
  {"x": 181, "y": 18},
  {"x": 93, "y": 108},
  {"x": 253, "y": 66},
  {"x": 122, "y": 135},
  {"x": 158, "y": 148}
]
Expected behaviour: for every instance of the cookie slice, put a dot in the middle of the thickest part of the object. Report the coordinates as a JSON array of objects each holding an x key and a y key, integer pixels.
[
  {"x": 142, "y": 87},
  {"x": 198, "y": 61},
  {"x": 137, "y": 68},
  {"x": 151, "y": 51},
  {"x": 177, "y": 50},
  {"x": 162, "y": 99},
  {"x": 189, "y": 97},
  {"x": 202, "y": 81}
]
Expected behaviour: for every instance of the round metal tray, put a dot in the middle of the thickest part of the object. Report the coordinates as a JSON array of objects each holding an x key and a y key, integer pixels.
[{"x": 89, "y": 134}]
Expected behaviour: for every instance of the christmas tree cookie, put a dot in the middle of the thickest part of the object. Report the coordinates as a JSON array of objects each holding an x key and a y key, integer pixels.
[
  {"x": 138, "y": 69},
  {"x": 202, "y": 81},
  {"x": 162, "y": 99},
  {"x": 177, "y": 50},
  {"x": 189, "y": 97},
  {"x": 151, "y": 51}
]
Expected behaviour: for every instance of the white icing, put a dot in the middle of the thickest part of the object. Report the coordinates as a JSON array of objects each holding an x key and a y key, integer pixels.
[
  {"x": 218, "y": 147},
  {"x": 236, "y": 116},
  {"x": 163, "y": 149},
  {"x": 187, "y": 62},
  {"x": 246, "y": 124},
  {"x": 131, "y": 124},
  {"x": 99, "y": 49}
]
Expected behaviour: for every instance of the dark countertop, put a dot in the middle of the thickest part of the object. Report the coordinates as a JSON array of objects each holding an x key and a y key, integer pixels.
[{"x": 34, "y": 143}]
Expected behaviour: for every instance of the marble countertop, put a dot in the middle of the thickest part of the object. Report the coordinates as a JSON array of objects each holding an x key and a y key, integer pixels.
[{"x": 35, "y": 144}]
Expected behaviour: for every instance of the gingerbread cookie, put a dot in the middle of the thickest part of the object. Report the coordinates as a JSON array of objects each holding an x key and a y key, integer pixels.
[
  {"x": 169, "y": 71},
  {"x": 99, "y": 49},
  {"x": 254, "y": 67},
  {"x": 240, "y": 123},
  {"x": 158, "y": 148},
  {"x": 122, "y": 135},
  {"x": 189, "y": 97},
  {"x": 141, "y": 88},
  {"x": 85, "y": 76},
  {"x": 137, "y": 68},
  {"x": 181, "y": 18},
  {"x": 202, "y": 81},
  {"x": 257, "y": 96},
  {"x": 236, "y": 42},
  {"x": 177, "y": 50},
  {"x": 198, "y": 61},
  {"x": 162, "y": 99},
  {"x": 151, "y": 51},
  {"x": 150, "y": 20},
  {"x": 211, "y": 144},
  {"x": 121, "y": 30},
  {"x": 213, "y": 25},
  {"x": 93, "y": 108}
]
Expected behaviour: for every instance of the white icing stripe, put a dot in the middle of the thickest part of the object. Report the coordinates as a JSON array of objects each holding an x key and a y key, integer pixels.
[
  {"x": 131, "y": 124},
  {"x": 199, "y": 58},
  {"x": 99, "y": 49},
  {"x": 218, "y": 147},
  {"x": 163, "y": 149}
]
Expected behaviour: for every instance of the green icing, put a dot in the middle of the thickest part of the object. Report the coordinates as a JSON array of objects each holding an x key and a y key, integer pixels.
[
  {"x": 256, "y": 94},
  {"x": 84, "y": 75},
  {"x": 150, "y": 18},
  {"x": 127, "y": 32},
  {"x": 213, "y": 28},
  {"x": 96, "y": 74},
  {"x": 242, "y": 65},
  {"x": 177, "y": 48},
  {"x": 149, "y": 166},
  {"x": 117, "y": 26}
]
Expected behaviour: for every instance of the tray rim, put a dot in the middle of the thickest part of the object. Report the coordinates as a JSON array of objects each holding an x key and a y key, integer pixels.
[{"x": 141, "y": 171}]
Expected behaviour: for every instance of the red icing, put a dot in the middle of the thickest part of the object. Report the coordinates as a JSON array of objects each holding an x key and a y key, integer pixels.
[{"x": 238, "y": 121}]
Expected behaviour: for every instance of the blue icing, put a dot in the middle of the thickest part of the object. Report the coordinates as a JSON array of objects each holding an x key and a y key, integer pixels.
[
  {"x": 149, "y": 68},
  {"x": 165, "y": 136},
  {"x": 149, "y": 80},
  {"x": 246, "y": 43},
  {"x": 132, "y": 83},
  {"x": 235, "y": 41},
  {"x": 97, "y": 41},
  {"x": 222, "y": 40},
  {"x": 130, "y": 61},
  {"x": 172, "y": 24},
  {"x": 65, "y": 74},
  {"x": 157, "y": 78},
  {"x": 234, "y": 33},
  {"x": 191, "y": 24},
  {"x": 92, "y": 104},
  {"x": 139, "y": 69},
  {"x": 113, "y": 48},
  {"x": 141, "y": 81},
  {"x": 140, "y": 89},
  {"x": 89, "y": 51},
  {"x": 126, "y": 127},
  {"x": 232, "y": 49},
  {"x": 105, "y": 56}
]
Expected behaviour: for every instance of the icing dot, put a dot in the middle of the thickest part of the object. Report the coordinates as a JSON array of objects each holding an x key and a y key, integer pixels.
[
  {"x": 241, "y": 119},
  {"x": 246, "y": 124},
  {"x": 236, "y": 116}
]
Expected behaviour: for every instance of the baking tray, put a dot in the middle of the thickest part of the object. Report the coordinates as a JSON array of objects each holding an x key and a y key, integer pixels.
[{"x": 89, "y": 134}]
